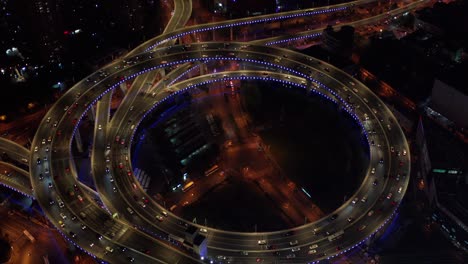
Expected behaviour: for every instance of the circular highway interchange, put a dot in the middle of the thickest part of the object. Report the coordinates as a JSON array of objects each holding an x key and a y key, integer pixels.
[{"x": 115, "y": 234}]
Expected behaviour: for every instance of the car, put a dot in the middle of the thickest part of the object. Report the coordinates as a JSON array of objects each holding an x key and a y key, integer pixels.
[
  {"x": 295, "y": 249},
  {"x": 381, "y": 161},
  {"x": 164, "y": 213},
  {"x": 311, "y": 252},
  {"x": 375, "y": 183},
  {"x": 122, "y": 249},
  {"x": 73, "y": 218},
  {"x": 373, "y": 170},
  {"x": 290, "y": 256},
  {"x": 50, "y": 185},
  {"x": 100, "y": 127},
  {"x": 293, "y": 243},
  {"x": 392, "y": 149},
  {"x": 114, "y": 189},
  {"x": 73, "y": 235},
  {"x": 131, "y": 259},
  {"x": 404, "y": 152},
  {"x": 130, "y": 211},
  {"x": 203, "y": 230},
  {"x": 354, "y": 201},
  {"x": 313, "y": 246},
  {"x": 80, "y": 198},
  {"x": 109, "y": 249},
  {"x": 350, "y": 219},
  {"x": 400, "y": 189},
  {"x": 371, "y": 212},
  {"x": 389, "y": 196},
  {"x": 262, "y": 242},
  {"x": 91, "y": 245},
  {"x": 63, "y": 216},
  {"x": 244, "y": 253},
  {"x": 51, "y": 202},
  {"x": 36, "y": 148},
  {"x": 159, "y": 217},
  {"x": 364, "y": 199},
  {"x": 333, "y": 217},
  {"x": 41, "y": 177},
  {"x": 83, "y": 227},
  {"x": 61, "y": 223}
]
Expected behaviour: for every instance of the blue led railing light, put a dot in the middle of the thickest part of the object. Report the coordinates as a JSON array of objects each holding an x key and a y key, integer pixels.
[{"x": 243, "y": 23}]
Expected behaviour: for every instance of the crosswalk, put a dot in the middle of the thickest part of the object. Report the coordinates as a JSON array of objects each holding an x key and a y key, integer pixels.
[{"x": 142, "y": 178}]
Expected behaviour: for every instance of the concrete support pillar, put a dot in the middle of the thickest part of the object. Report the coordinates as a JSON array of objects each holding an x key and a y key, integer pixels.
[
  {"x": 162, "y": 72},
  {"x": 78, "y": 141},
  {"x": 123, "y": 87},
  {"x": 202, "y": 68},
  {"x": 92, "y": 113}
]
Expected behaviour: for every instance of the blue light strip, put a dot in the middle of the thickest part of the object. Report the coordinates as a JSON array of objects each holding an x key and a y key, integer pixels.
[{"x": 246, "y": 23}]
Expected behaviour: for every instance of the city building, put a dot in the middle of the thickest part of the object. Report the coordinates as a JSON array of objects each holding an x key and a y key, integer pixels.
[
  {"x": 442, "y": 172},
  {"x": 451, "y": 100},
  {"x": 338, "y": 42}
]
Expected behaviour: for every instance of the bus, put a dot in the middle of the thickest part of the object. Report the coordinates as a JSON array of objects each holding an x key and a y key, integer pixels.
[
  {"x": 211, "y": 170},
  {"x": 176, "y": 238},
  {"x": 188, "y": 186},
  {"x": 29, "y": 236},
  {"x": 336, "y": 236}
]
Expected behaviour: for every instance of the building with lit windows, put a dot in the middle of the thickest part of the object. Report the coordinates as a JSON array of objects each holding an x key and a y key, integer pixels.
[{"x": 442, "y": 171}]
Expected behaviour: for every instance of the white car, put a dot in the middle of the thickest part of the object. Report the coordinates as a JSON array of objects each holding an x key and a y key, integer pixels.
[
  {"x": 296, "y": 249},
  {"x": 159, "y": 217},
  {"x": 262, "y": 242},
  {"x": 293, "y": 243},
  {"x": 63, "y": 216}
]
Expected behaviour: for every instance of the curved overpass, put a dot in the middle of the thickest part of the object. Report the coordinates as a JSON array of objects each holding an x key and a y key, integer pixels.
[
  {"x": 330, "y": 83},
  {"x": 126, "y": 229}
]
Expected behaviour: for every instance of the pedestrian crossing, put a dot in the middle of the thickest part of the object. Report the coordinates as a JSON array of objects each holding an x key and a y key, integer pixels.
[{"x": 142, "y": 178}]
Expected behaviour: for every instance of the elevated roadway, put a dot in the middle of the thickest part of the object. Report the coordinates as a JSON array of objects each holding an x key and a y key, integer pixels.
[{"x": 330, "y": 81}]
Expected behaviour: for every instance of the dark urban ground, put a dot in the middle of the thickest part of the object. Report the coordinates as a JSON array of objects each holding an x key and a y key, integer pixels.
[{"x": 315, "y": 146}]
